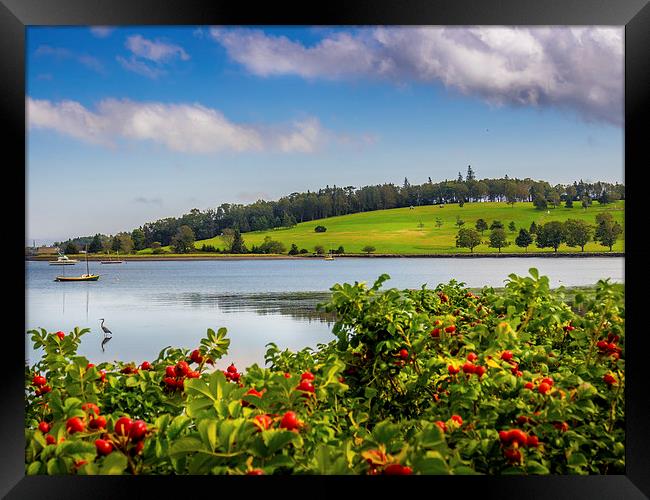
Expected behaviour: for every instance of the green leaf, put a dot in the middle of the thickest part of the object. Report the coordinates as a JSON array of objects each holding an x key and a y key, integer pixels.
[
  {"x": 186, "y": 445},
  {"x": 577, "y": 460},
  {"x": 34, "y": 468},
  {"x": 275, "y": 439},
  {"x": 114, "y": 464},
  {"x": 536, "y": 468}
]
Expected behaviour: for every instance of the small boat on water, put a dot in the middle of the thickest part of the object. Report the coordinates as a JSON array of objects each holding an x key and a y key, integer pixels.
[
  {"x": 112, "y": 261},
  {"x": 83, "y": 277},
  {"x": 63, "y": 260}
]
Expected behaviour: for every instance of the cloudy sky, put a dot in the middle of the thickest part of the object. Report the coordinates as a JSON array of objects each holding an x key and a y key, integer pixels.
[{"x": 128, "y": 125}]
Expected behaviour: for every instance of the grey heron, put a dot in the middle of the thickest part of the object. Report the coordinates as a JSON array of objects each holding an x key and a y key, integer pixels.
[{"x": 104, "y": 329}]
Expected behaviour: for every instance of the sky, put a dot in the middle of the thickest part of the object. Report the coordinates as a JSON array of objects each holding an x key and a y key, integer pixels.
[{"x": 127, "y": 125}]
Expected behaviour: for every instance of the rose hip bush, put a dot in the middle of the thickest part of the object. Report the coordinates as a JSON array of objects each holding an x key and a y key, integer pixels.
[{"x": 428, "y": 381}]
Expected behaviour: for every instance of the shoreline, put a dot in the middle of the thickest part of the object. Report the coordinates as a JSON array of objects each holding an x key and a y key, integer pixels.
[{"x": 202, "y": 257}]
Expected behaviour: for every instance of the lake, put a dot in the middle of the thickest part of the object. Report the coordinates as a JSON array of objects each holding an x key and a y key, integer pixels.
[{"x": 149, "y": 305}]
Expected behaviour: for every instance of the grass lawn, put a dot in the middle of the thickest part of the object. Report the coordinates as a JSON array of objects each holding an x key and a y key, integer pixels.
[{"x": 397, "y": 230}]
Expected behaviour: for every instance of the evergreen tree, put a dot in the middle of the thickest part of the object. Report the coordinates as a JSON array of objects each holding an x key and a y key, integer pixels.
[
  {"x": 238, "y": 245},
  {"x": 481, "y": 225},
  {"x": 523, "y": 239}
]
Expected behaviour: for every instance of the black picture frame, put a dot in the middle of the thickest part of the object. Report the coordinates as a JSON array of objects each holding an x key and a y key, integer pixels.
[{"x": 15, "y": 15}]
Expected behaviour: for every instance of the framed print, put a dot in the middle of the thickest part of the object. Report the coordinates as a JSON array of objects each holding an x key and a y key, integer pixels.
[{"x": 325, "y": 245}]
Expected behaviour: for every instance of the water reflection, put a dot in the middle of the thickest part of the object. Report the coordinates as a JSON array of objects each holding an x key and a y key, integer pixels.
[{"x": 297, "y": 305}]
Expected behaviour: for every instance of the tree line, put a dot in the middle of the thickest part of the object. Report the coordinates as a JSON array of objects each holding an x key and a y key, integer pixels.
[
  {"x": 334, "y": 201},
  {"x": 572, "y": 232}
]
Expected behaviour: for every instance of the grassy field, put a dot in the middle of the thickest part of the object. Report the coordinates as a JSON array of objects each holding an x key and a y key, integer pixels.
[{"x": 397, "y": 231}]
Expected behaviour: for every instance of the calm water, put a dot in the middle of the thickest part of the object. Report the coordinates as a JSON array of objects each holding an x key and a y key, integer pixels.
[{"x": 151, "y": 305}]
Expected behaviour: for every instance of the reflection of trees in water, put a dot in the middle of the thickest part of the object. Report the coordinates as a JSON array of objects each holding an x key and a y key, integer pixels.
[{"x": 298, "y": 305}]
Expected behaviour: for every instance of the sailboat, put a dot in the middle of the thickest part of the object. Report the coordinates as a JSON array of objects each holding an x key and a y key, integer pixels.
[
  {"x": 112, "y": 261},
  {"x": 330, "y": 255},
  {"x": 83, "y": 277}
]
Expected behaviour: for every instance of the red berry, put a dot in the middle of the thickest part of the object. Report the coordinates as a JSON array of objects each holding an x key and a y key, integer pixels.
[
  {"x": 44, "y": 427},
  {"x": 306, "y": 386},
  {"x": 506, "y": 355},
  {"x": 50, "y": 439},
  {"x": 522, "y": 419},
  {"x": 562, "y": 426},
  {"x": 397, "y": 469},
  {"x": 503, "y": 435},
  {"x": 182, "y": 368},
  {"x": 61, "y": 335},
  {"x": 528, "y": 385},
  {"x": 193, "y": 374},
  {"x": 170, "y": 381},
  {"x": 232, "y": 368},
  {"x": 102, "y": 375},
  {"x": 123, "y": 426},
  {"x": 548, "y": 381},
  {"x": 255, "y": 472},
  {"x": 45, "y": 389},
  {"x": 97, "y": 423},
  {"x": 196, "y": 356},
  {"x": 543, "y": 388},
  {"x": 602, "y": 345},
  {"x": 74, "y": 424},
  {"x": 442, "y": 425},
  {"x": 480, "y": 371},
  {"x": 263, "y": 422},
  {"x": 609, "y": 379},
  {"x": 450, "y": 329},
  {"x": 452, "y": 370},
  {"x": 472, "y": 357},
  {"x": 435, "y": 332},
  {"x": 533, "y": 441},
  {"x": 89, "y": 366},
  {"x": 517, "y": 436},
  {"x": 104, "y": 447},
  {"x": 468, "y": 368},
  {"x": 289, "y": 421},
  {"x": 254, "y": 392},
  {"x": 145, "y": 365},
  {"x": 287, "y": 375},
  {"x": 307, "y": 376},
  {"x": 39, "y": 380},
  {"x": 458, "y": 419},
  {"x": 513, "y": 455},
  {"x": 170, "y": 371},
  {"x": 138, "y": 430},
  {"x": 403, "y": 354},
  {"x": 88, "y": 407}
]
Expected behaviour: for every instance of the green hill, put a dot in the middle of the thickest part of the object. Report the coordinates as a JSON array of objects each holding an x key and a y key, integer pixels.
[{"x": 398, "y": 230}]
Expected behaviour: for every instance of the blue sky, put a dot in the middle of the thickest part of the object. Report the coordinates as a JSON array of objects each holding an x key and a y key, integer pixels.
[{"x": 128, "y": 125}]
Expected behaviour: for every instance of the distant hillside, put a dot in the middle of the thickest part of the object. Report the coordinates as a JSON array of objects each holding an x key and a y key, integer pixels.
[{"x": 398, "y": 230}]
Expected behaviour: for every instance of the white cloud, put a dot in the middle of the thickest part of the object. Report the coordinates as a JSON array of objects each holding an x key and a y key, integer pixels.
[
  {"x": 156, "y": 51},
  {"x": 580, "y": 69},
  {"x": 187, "y": 128},
  {"x": 140, "y": 67},
  {"x": 101, "y": 31},
  {"x": 148, "y": 57}
]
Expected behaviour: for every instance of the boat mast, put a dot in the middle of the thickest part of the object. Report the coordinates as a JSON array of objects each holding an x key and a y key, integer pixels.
[{"x": 87, "y": 271}]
